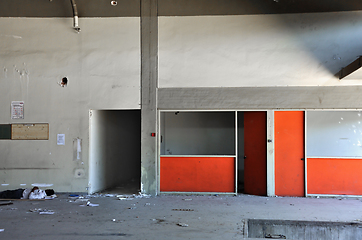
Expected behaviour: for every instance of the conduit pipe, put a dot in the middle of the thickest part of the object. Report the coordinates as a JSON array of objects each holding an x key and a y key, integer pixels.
[{"x": 75, "y": 16}]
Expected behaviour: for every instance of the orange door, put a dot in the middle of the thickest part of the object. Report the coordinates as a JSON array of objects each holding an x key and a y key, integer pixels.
[
  {"x": 255, "y": 153},
  {"x": 289, "y": 152}
]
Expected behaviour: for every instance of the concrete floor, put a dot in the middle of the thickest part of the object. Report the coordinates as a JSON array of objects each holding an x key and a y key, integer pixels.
[{"x": 200, "y": 217}]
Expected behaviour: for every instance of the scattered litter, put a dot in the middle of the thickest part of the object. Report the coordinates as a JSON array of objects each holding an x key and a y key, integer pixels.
[
  {"x": 117, "y": 221},
  {"x": 125, "y": 197},
  {"x": 182, "y": 224},
  {"x": 5, "y": 203},
  {"x": 73, "y": 195},
  {"x": 92, "y": 204},
  {"x": 131, "y": 208},
  {"x": 159, "y": 221},
  {"x": 46, "y": 213},
  {"x": 147, "y": 204},
  {"x": 183, "y": 209},
  {"x": 2, "y": 230},
  {"x": 81, "y": 200},
  {"x": 109, "y": 195},
  {"x": 275, "y": 236},
  {"x": 42, "y": 211},
  {"x": 50, "y": 197},
  {"x": 187, "y": 199}
]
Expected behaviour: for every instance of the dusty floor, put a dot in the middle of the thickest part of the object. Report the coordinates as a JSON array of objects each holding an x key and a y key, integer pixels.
[{"x": 162, "y": 217}]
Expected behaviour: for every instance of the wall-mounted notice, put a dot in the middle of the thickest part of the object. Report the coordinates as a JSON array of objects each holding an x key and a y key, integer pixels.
[
  {"x": 17, "y": 110},
  {"x": 61, "y": 139}
]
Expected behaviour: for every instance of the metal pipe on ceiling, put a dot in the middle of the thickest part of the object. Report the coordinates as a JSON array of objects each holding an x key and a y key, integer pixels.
[{"x": 75, "y": 16}]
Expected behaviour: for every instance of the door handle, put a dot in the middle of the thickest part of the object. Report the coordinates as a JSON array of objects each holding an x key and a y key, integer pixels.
[
  {"x": 302, "y": 159},
  {"x": 244, "y": 157}
]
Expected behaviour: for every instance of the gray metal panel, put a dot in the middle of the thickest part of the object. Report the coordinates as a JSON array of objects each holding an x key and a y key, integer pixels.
[{"x": 342, "y": 97}]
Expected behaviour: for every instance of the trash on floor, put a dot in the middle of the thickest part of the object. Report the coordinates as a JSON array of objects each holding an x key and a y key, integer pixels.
[
  {"x": 42, "y": 211},
  {"x": 89, "y": 204},
  {"x": 183, "y": 209},
  {"x": 125, "y": 197},
  {"x": 2, "y": 230},
  {"x": 275, "y": 236},
  {"x": 92, "y": 204},
  {"x": 2, "y": 203},
  {"x": 182, "y": 224}
]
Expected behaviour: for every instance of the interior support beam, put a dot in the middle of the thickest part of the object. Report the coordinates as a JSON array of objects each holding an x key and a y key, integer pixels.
[
  {"x": 149, "y": 75},
  {"x": 352, "y": 67}
]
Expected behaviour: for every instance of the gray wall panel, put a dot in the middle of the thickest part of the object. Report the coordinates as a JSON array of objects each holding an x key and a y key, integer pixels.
[{"x": 346, "y": 97}]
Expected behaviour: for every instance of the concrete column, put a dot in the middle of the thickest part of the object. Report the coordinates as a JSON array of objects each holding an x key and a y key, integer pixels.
[{"x": 149, "y": 76}]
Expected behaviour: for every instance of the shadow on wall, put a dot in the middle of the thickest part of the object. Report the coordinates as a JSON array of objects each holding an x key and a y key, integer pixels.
[{"x": 332, "y": 39}]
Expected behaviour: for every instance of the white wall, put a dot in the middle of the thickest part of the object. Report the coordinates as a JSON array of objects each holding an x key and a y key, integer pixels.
[
  {"x": 102, "y": 64},
  {"x": 258, "y": 50}
]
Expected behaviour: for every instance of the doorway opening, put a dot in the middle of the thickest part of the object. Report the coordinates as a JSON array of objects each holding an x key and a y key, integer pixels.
[{"x": 115, "y": 151}]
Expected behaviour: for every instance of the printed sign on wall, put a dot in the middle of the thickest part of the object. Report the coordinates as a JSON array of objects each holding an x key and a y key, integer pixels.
[{"x": 17, "y": 110}]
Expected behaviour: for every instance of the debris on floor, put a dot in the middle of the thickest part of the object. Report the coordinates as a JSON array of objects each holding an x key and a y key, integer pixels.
[
  {"x": 182, "y": 224},
  {"x": 2, "y": 230},
  {"x": 183, "y": 209},
  {"x": 2, "y": 203},
  {"x": 42, "y": 211},
  {"x": 117, "y": 221},
  {"x": 125, "y": 197},
  {"x": 89, "y": 204},
  {"x": 92, "y": 204},
  {"x": 275, "y": 236}
]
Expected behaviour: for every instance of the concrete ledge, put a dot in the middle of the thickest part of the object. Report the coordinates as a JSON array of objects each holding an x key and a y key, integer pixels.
[{"x": 260, "y": 228}]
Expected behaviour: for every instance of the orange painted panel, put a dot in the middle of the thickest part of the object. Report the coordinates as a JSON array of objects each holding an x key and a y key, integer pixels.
[
  {"x": 197, "y": 174},
  {"x": 255, "y": 152},
  {"x": 289, "y": 150},
  {"x": 334, "y": 176}
]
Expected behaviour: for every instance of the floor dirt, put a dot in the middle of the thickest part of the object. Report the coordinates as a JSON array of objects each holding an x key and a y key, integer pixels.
[{"x": 161, "y": 217}]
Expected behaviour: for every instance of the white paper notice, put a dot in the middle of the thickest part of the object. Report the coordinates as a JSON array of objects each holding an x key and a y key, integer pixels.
[
  {"x": 17, "y": 110},
  {"x": 61, "y": 139}
]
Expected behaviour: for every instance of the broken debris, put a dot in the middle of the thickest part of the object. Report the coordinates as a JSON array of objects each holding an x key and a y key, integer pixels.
[
  {"x": 2, "y": 203},
  {"x": 42, "y": 211},
  {"x": 275, "y": 236},
  {"x": 182, "y": 224},
  {"x": 183, "y": 209}
]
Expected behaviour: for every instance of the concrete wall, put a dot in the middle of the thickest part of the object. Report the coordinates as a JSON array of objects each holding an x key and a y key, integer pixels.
[
  {"x": 102, "y": 64},
  {"x": 257, "y": 50}
]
